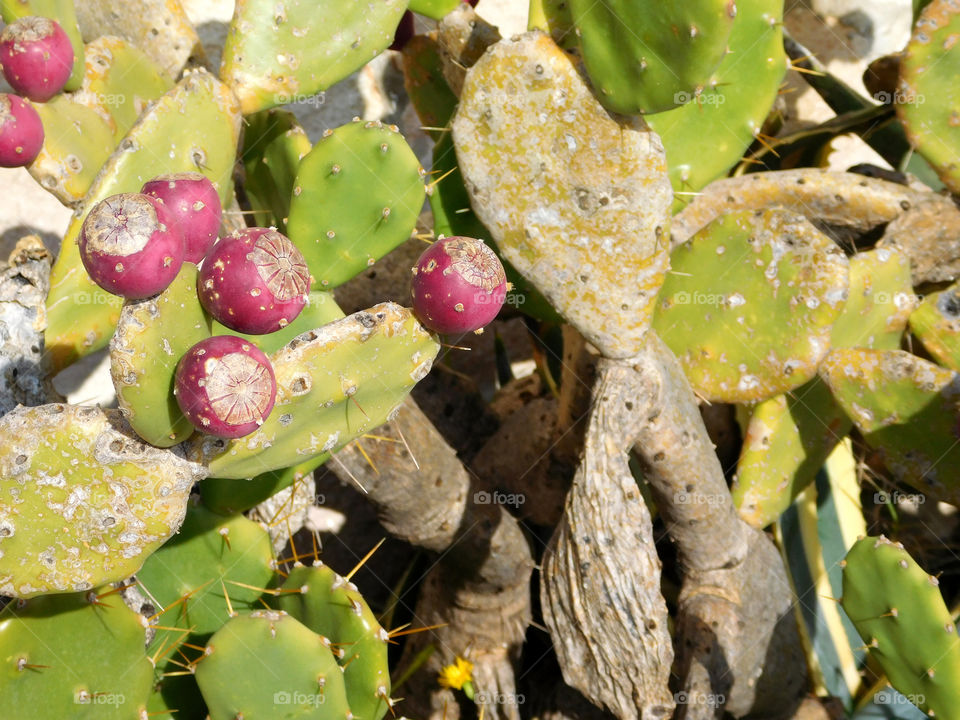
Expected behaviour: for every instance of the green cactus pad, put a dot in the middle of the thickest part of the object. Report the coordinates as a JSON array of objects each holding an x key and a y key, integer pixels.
[
  {"x": 906, "y": 408},
  {"x": 77, "y": 656},
  {"x": 82, "y": 129},
  {"x": 211, "y": 555},
  {"x": 198, "y": 125},
  {"x": 273, "y": 146},
  {"x": 790, "y": 437},
  {"x": 647, "y": 56},
  {"x": 294, "y": 672},
  {"x": 577, "y": 202},
  {"x": 750, "y": 302},
  {"x": 76, "y": 144},
  {"x": 358, "y": 196},
  {"x": 936, "y": 324},
  {"x": 928, "y": 101},
  {"x": 553, "y": 17},
  {"x": 151, "y": 337},
  {"x": 229, "y": 495},
  {"x": 278, "y": 50},
  {"x": 708, "y": 135},
  {"x": 428, "y": 90},
  {"x": 331, "y": 606},
  {"x": 899, "y": 612},
  {"x": 82, "y": 500},
  {"x": 333, "y": 384},
  {"x": 63, "y": 12},
  {"x": 435, "y": 9}
]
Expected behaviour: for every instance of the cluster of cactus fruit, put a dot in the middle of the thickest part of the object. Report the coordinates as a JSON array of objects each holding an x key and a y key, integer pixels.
[{"x": 574, "y": 148}]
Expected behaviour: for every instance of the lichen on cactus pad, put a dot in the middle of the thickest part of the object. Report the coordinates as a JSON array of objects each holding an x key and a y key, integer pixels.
[
  {"x": 334, "y": 383},
  {"x": 357, "y": 196},
  {"x": 277, "y": 51},
  {"x": 332, "y": 607},
  {"x": 906, "y": 408},
  {"x": 79, "y": 656},
  {"x": 936, "y": 324},
  {"x": 83, "y": 501},
  {"x": 750, "y": 302},
  {"x": 198, "y": 122},
  {"x": 299, "y": 676},
  {"x": 899, "y": 612},
  {"x": 928, "y": 101},
  {"x": 647, "y": 56},
  {"x": 708, "y": 135},
  {"x": 577, "y": 202}
]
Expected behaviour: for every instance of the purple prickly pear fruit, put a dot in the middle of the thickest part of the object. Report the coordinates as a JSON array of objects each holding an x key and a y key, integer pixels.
[
  {"x": 36, "y": 56},
  {"x": 254, "y": 281},
  {"x": 131, "y": 246},
  {"x": 225, "y": 386},
  {"x": 195, "y": 204},
  {"x": 21, "y": 132},
  {"x": 458, "y": 285}
]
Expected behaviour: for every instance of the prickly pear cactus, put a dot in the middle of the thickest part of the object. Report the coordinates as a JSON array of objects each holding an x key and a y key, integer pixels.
[
  {"x": 789, "y": 437},
  {"x": 936, "y": 324},
  {"x": 64, "y": 13},
  {"x": 906, "y": 408},
  {"x": 276, "y": 52},
  {"x": 273, "y": 146},
  {"x": 199, "y": 122},
  {"x": 229, "y": 495},
  {"x": 707, "y": 136},
  {"x": 331, "y": 606},
  {"x": 750, "y": 303},
  {"x": 74, "y": 656},
  {"x": 212, "y": 567},
  {"x": 900, "y": 614},
  {"x": 928, "y": 101},
  {"x": 423, "y": 79},
  {"x": 357, "y": 196},
  {"x": 333, "y": 384},
  {"x": 83, "y": 501},
  {"x": 303, "y": 679},
  {"x": 435, "y": 9},
  {"x": 577, "y": 202},
  {"x": 645, "y": 56}
]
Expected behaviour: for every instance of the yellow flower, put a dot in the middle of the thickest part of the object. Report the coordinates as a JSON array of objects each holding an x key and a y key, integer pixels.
[{"x": 457, "y": 675}]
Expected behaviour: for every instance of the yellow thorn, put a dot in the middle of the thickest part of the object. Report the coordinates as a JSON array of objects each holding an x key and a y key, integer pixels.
[{"x": 364, "y": 560}]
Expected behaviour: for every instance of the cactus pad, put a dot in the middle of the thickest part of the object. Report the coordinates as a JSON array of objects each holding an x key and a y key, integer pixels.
[
  {"x": 77, "y": 656},
  {"x": 936, "y": 323},
  {"x": 67, "y": 523},
  {"x": 423, "y": 79},
  {"x": 295, "y": 676},
  {"x": 331, "y": 607},
  {"x": 708, "y": 135},
  {"x": 198, "y": 123},
  {"x": 906, "y": 408},
  {"x": 333, "y": 384},
  {"x": 577, "y": 202},
  {"x": 358, "y": 195},
  {"x": 899, "y": 612},
  {"x": 273, "y": 146},
  {"x": 749, "y": 305},
  {"x": 210, "y": 559},
  {"x": 929, "y": 98},
  {"x": 278, "y": 50},
  {"x": 647, "y": 56},
  {"x": 435, "y": 9}
]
